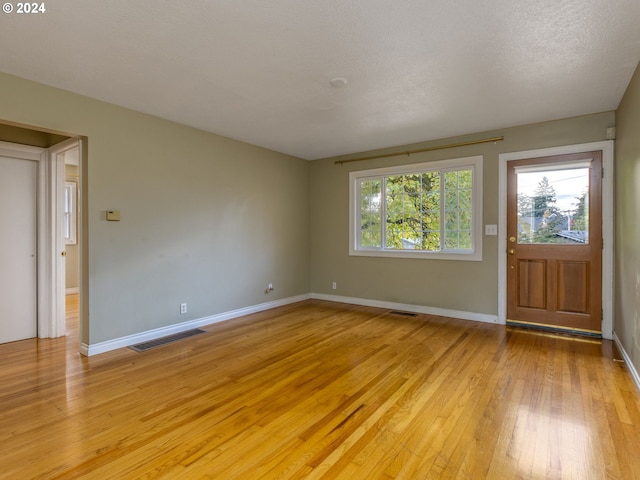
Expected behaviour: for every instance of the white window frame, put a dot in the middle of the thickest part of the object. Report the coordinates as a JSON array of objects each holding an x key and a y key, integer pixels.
[{"x": 473, "y": 254}]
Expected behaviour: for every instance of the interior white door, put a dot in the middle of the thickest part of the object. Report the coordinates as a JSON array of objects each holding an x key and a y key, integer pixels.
[{"x": 18, "y": 249}]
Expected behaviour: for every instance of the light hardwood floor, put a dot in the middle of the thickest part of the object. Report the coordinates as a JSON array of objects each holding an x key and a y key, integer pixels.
[{"x": 322, "y": 390}]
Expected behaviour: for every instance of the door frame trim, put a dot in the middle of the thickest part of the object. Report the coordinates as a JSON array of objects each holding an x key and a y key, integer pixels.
[
  {"x": 607, "y": 148},
  {"x": 56, "y": 179}
]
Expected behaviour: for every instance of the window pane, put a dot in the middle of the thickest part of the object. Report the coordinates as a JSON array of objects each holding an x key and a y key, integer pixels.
[
  {"x": 431, "y": 183},
  {"x": 451, "y": 181},
  {"x": 464, "y": 220},
  {"x": 370, "y": 213},
  {"x": 431, "y": 240},
  {"x": 553, "y": 206},
  {"x": 458, "y": 209},
  {"x": 413, "y": 207},
  {"x": 69, "y": 219},
  {"x": 66, "y": 226},
  {"x": 465, "y": 239},
  {"x": 451, "y": 221},
  {"x": 451, "y": 199},
  {"x": 465, "y": 179},
  {"x": 451, "y": 239}
]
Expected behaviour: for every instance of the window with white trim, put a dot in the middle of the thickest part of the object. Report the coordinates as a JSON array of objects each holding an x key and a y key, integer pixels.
[
  {"x": 428, "y": 210},
  {"x": 69, "y": 219}
]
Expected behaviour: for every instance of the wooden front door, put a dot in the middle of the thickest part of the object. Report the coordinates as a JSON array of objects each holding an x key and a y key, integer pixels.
[{"x": 554, "y": 242}]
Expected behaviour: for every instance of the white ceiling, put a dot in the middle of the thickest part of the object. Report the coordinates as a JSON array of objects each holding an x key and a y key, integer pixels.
[{"x": 259, "y": 70}]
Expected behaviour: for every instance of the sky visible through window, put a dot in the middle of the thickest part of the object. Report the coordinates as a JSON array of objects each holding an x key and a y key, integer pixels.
[{"x": 568, "y": 185}]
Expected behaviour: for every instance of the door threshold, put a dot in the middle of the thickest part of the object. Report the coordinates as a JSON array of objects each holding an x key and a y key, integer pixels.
[{"x": 555, "y": 329}]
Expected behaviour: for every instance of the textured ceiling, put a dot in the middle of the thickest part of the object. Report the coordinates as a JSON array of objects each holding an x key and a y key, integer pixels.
[{"x": 259, "y": 71}]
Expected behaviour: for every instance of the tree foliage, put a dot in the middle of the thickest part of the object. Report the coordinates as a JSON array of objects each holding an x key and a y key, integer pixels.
[
  {"x": 413, "y": 211},
  {"x": 540, "y": 220},
  {"x": 546, "y": 211},
  {"x": 412, "y": 206},
  {"x": 581, "y": 217},
  {"x": 370, "y": 221}
]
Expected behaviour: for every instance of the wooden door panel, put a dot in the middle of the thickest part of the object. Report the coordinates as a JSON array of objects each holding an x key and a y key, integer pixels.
[
  {"x": 573, "y": 287},
  {"x": 532, "y": 283}
]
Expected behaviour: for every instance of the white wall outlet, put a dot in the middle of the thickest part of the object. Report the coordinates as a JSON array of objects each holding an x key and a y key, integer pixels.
[
  {"x": 334, "y": 285},
  {"x": 183, "y": 308},
  {"x": 270, "y": 287},
  {"x": 491, "y": 229}
]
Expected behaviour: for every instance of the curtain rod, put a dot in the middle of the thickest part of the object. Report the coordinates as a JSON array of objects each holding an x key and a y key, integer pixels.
[{"x": 428, "y": 149}]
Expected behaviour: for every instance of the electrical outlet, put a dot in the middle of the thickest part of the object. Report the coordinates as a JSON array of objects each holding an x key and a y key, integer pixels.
[
  {"x": 334, "y": 285},
  {"x": 183, "y": 308}
]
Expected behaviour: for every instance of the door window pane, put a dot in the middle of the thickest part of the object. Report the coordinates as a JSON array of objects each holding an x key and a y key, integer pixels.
[{"x": 553, "y": 206}]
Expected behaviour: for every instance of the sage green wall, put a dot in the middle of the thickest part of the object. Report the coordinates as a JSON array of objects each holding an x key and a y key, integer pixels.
[
  {"x": 205, "y": 220},
  {"x": 450, "y": 284},
  {"x": 627, "y": 267}
]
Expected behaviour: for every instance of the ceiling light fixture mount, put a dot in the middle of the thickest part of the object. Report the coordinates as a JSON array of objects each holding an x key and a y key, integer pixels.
[{"x": 338, "y": 82}]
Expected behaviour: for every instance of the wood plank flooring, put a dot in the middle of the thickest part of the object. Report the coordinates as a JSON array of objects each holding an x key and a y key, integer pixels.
[{"x": 320, "y": 390}]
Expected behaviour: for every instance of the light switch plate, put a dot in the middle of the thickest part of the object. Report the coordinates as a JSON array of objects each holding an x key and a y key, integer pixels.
[{"x": 491, "y": 230}]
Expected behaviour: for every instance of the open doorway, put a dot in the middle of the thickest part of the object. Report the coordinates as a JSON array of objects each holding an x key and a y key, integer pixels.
[
  {"x": 70, "y": 221},
  {"x": 57, "y": 213},
  {"x": 64, "y": 179},
  {"x": 72, "y": 239}
]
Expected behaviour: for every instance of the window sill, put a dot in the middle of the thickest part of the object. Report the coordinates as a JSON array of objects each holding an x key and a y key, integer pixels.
[{"x": 471, "y": 256}]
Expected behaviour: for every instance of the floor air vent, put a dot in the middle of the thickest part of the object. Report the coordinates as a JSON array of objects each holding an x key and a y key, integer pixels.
[
  {"x": 404, "y": 314},
  {"x": 144, "y": 346}
]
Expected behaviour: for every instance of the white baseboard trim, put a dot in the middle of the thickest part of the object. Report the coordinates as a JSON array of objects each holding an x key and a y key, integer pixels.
[
  {"x": 71, "y": 290},
  {"x": 627, "y": 360},
  {"x": 106, "y": 346},
  {"x": 444, "y": 312}
]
